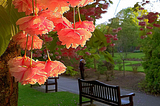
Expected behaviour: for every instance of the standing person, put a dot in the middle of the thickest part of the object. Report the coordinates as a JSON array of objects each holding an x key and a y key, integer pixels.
[{"x": 81, "y": 66}]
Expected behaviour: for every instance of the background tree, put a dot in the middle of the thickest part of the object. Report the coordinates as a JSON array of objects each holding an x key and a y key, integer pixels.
[
  {"x": 128, "y": 37},
  {"x": 149, "y": 26}
]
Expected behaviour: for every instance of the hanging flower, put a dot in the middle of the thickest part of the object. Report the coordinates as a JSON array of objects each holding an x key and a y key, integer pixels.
[
  {"x": 74, "y": 3},
  {"x": 21, "y": 39},
  {"x": 74, "y": 37},
  {"x": 54, "y": 68},
  {"x": 85, "y": 2},
  {"x": 20, "y": 35},
  {"x": 25, "y": 6},
  {"x": 60, "y": 6},
  {"x": 23, "y": 72},
  {"x": 35, "y": 25},
  {"x": 59, "y": 21},
  {"x": 88, "y": 25}
]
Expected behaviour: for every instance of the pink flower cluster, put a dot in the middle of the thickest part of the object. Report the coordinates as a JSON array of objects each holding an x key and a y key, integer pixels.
[
  {"x": 46, "y": 16},
  {"x": 70, "y": 53},
  {"x": 91, "y": 12},
  {"x": 48, "y": 20},
  {"x": 20, "y": 68},
  {"x": 152, "y": 18},
  {"x": 110, "y": 37}
]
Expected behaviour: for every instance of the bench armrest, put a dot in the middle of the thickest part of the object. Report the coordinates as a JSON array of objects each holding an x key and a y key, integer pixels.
[{"x": 127, "y": 95}]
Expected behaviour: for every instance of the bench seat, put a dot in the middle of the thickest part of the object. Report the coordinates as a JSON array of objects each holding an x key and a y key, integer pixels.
[{"x": 108, "y": 94}]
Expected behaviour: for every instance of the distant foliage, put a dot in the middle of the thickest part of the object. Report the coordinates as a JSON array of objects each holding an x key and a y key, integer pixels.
[{"x": 151, "y": 48}]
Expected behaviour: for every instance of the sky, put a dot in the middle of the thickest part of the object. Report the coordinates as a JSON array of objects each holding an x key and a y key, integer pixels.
[{"x": 112, "y": 8}]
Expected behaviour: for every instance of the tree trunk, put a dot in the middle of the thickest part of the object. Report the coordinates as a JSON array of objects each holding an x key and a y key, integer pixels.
[
  {"x": 123, "y": 68},
  {"x": 112, "y": 51},
  {"x": 95, "y": 64},
  {"x": 8, "y": 86}
]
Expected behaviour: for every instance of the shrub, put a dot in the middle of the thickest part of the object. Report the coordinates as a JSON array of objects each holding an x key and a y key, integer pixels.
[
  {"x": 119, "y": 64},
  {"x": 151, "y": 64},
  {"x": 70, "y": 71},
  {"x": 101, "y": 68}
]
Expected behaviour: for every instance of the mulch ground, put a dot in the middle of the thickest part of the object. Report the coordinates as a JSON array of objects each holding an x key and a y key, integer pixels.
[{"x": 129, "y": 81}]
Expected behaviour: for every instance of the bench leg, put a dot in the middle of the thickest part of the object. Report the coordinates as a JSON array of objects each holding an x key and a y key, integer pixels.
[
  {"x": 91, "y": 101},
  {"x": 56, "y": 85},
  {"x": 80, "y": 100},
  {"x": 46, "y": 86},
  {"x": 131, "y": 100}
]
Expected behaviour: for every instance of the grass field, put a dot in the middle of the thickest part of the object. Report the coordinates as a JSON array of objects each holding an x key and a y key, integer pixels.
[
  {"x": 31, "y": 97},
  {"x": 128, "y": 63},
  {"x": 119, "y": 56},
  {"x": 129, "y": 55}
]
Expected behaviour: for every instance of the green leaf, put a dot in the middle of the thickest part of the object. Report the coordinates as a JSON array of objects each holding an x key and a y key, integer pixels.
[
  {"x": 81, "y": 52},
  {"x": 53, "y": 44},
  {"x": 110, "y": 1},
  {"x": 9, "y": 16},
  {"x": 108, "y": 57},
  {"x": 93, "y": 50},
  {"x": 5, "y": 30},
  {"x": 96, "y": 56},
  {"x": 100, "y": 36}
]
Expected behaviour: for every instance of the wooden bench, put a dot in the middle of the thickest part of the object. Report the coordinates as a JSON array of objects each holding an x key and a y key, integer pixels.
[
  {"x": 51, "y": 81},
  {"x": 107, "y": 94}
]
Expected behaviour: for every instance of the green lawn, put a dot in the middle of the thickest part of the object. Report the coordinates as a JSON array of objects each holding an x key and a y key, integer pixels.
[
  {"x": 118, "y": 56},
  {"x": 129, "y": 55},
  {"x": 31, "y": 97}
]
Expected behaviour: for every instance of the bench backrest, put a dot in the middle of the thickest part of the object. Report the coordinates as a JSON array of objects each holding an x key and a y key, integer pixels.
[{"x": 97, "y": 89}]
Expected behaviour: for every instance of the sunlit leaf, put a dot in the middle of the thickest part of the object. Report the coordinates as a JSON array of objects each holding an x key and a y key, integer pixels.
[
  {"x": 3, "y": 3},
  {"x": 5, "y": 30},
  {"x": 9, "y": 16}
]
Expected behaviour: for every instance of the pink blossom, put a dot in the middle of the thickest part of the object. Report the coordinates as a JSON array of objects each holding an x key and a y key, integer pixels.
[
  {"x": 26, "y": 6},
  {"x": 115, "y": 38},
  {"x": 140, "y": 18},
  {"x": 115, "y": 30},
  {"x": 142, "y": 23},
  {"x": 54, "y": 68},
  {"x": 148, "y": 27},
  {"x": 112, "y": 44},
  {"x": 108, "y": 40},
  {"x": 105, "y": 5},
  {"x": 58, "y": 57},
  {"x": 141, "y": 8},
  {"x": 21, "y": 39},
  {"x": 74, "y": 37},
  {"x": 88, "y": 53},
  {"x": 20, "y": 68},
  {"x": 102, "y": 49},
  {"x": 56, "y": 53},
  {"x": 88, "y": 25},
  {"x": 148, "y": 33},
  {"x": 119, "y": 28},
  {"x": 156, "y": 25},
  {"x": 35, "y": 25},
  {"x": 60, "y": 6},
  {"x": 85, "y": 2},
  {"x": 141, "y": 29}
]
